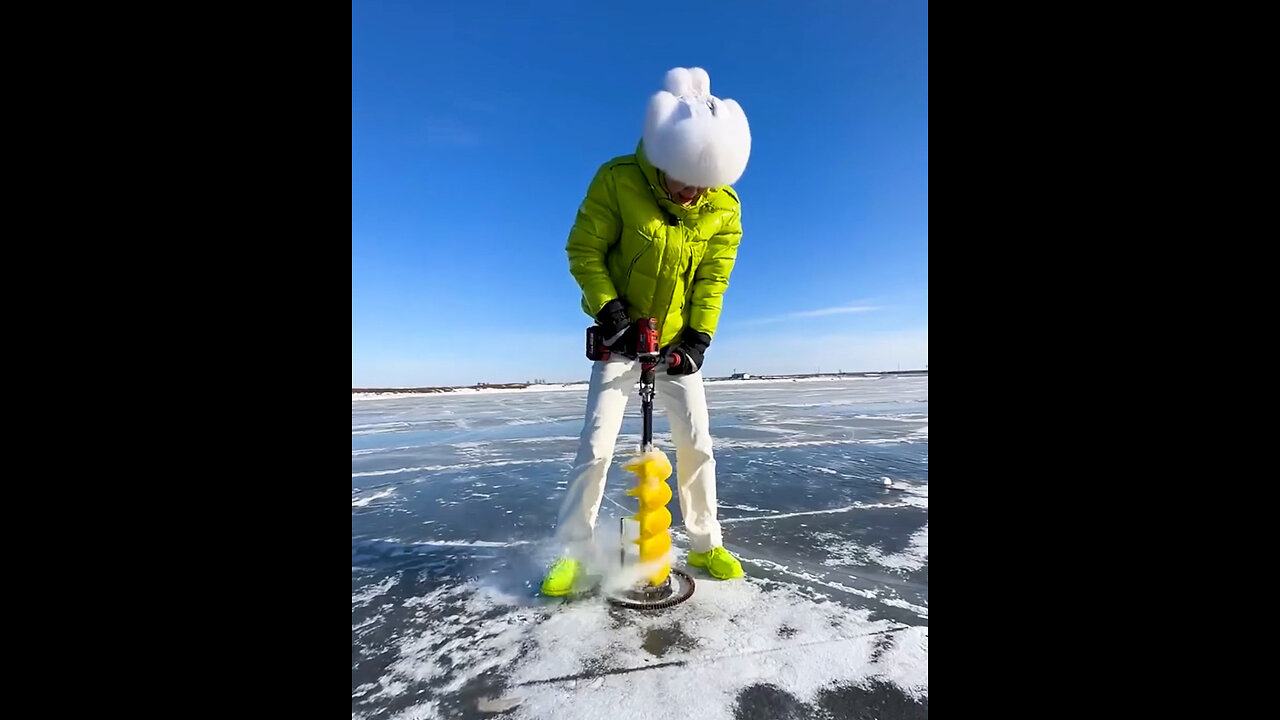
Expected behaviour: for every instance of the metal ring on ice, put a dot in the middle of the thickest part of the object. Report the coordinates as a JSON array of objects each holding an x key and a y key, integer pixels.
[{"x": 680, "y": 588}]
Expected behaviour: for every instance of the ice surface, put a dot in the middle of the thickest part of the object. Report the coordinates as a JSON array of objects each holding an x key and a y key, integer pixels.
[{"x": 453, "y": 503}]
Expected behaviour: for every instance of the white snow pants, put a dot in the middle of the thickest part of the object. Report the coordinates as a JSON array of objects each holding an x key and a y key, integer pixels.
[{"x": 684, "y": 399}]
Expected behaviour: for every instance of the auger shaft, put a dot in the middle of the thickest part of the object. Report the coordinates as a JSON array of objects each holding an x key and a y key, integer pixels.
[{"x": 646, "y": 405}]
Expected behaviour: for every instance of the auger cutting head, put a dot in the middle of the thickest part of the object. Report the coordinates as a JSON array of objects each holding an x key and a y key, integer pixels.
[{"x": 652, "y": 470}]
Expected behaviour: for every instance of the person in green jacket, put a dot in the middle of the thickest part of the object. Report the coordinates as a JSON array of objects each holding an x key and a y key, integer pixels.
[{"x": 657, "y": 236}]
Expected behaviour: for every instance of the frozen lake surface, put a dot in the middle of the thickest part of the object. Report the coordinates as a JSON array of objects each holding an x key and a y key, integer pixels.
[{"x": 824, "y": 496}]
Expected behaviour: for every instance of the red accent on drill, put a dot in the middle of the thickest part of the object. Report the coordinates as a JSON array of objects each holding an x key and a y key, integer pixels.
[{"x": 647, "y": 336}]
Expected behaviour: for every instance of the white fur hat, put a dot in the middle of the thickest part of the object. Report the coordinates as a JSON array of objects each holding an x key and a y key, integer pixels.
[{"x": 694, "y": 136}]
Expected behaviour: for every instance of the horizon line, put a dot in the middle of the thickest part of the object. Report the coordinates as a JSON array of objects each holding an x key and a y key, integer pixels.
[{"x": 734, "y": 376}]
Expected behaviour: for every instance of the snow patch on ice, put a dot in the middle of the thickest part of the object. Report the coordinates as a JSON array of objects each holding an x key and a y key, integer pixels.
[
  {"x": 737, "y": 634},
  {"x": 368, "y": 593}
]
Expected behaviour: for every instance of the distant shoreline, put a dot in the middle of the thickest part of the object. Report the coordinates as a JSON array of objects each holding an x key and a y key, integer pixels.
[{"x": 505, "y": 387}]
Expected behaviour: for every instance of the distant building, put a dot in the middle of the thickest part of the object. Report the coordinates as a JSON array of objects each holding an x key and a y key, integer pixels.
[{"x": 740, "y": 376}]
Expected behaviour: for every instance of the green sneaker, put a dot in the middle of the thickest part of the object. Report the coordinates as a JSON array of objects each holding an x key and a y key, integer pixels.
[
  {"x": 718, "y": 562},
  {"x": 560, "y": 578}
]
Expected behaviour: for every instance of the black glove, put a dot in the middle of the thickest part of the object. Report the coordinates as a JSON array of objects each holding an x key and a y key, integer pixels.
[
  {"x": 685, "y": 357},
  {"x": 617, "y": 329}
]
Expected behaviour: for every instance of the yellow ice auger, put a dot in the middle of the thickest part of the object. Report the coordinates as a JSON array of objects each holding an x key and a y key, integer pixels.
[{"x": 664, "y": 586}]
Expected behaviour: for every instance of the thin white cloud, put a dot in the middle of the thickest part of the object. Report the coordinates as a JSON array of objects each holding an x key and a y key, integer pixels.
[
  {"x": 843, "y": 310},
  {"x": 450, "y": 131}
]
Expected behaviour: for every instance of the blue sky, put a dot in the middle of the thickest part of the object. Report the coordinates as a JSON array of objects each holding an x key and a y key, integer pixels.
[{"x": 476, "y": 127}]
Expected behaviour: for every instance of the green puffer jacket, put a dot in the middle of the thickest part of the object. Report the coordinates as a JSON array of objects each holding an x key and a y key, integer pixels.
[{"x": 664, "y": 260}]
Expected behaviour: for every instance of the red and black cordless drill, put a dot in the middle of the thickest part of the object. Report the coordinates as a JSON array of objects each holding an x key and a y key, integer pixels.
[{"x": 646, "y": 349}]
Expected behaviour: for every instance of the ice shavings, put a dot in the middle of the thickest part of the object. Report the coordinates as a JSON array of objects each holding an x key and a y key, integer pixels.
[
  {"x": 914, "y": 557},
  {"x": 734, "y": 635},
  {"x": 921, "y": 610},
  {"x": 457, "y": 466},
  {"x": 748, "y": 508},
  {"x": 738, "y": 634},
  {"x": 361, "y": 502},
  {"x": 429, "y": 710},
  {"x": 811, "y": 578},
  {"x": 739, "y": 444},
  {"x": 367, "y": 594},
  {"x": 847, "y": 508},
  {"x": 841, "y": 552},
  {"x": 470, "y": 543},
  {"x": 457, "y": 634},
  {"x": 906, "y": 663}
]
